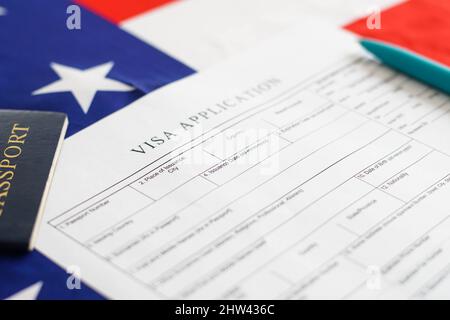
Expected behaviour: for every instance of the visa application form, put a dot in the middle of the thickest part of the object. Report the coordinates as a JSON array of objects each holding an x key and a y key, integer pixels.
[{"x": 302, "y": 169}]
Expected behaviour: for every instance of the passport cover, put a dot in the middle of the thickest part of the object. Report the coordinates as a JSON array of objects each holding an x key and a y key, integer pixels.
[{"x": 29, "y": 146}]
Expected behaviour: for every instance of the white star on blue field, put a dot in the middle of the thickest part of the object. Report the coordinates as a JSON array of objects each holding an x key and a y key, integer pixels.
[{"x": 83, "y": 84}]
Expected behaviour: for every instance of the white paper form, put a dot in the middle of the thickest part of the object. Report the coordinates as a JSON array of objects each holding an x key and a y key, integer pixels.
[{"x": 300, "y": 170}]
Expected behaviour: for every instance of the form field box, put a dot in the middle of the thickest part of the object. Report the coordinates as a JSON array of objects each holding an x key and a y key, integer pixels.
[
  {"x": 368, "y": 211},
  {"x": 295, "y": 107},
  {"x": 311, "y": 122},
  {"x": 393, "y": 163},
  {"x": 247, "y": 158},
  {"x": 105, "y": 213},
  {"x": 174, "y": 173},
  {"x": 418, "y": 177}
]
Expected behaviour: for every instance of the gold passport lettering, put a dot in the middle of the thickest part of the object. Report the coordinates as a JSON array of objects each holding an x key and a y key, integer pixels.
[{"x": 8, "y": 162}]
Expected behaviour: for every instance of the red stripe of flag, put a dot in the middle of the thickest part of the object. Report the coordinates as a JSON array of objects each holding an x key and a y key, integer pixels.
[
  {"x": 419, "y": 25},
  {"x": 117, "y": 11}
]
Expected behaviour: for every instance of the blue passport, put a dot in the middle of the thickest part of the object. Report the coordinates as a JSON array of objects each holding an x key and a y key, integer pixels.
[{"x": 29, "y": 146}]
